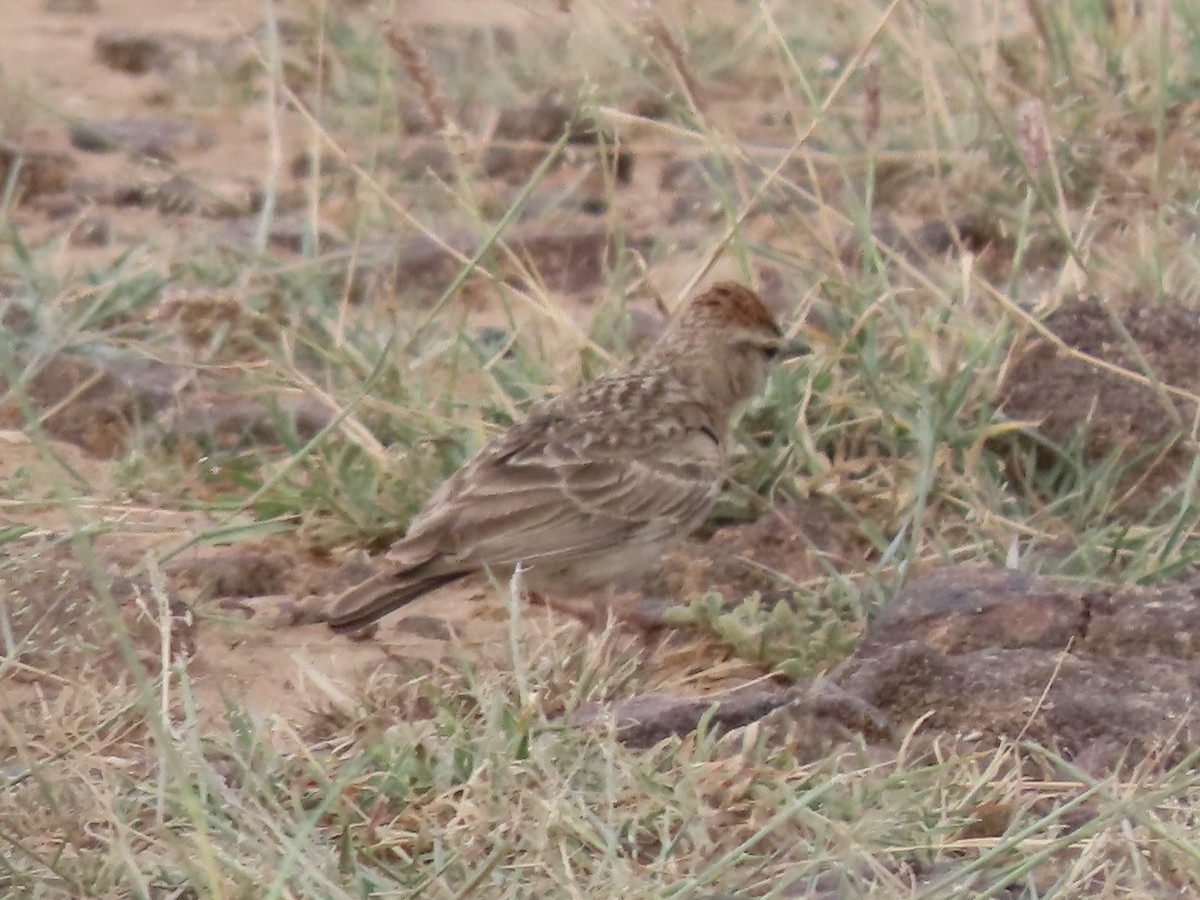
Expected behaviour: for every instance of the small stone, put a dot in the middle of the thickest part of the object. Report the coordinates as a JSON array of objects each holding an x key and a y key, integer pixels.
[
  {"x": 91, "y": 231},
  {"x": 59, "y": 206},
  {"x": 132, "y": 52},
  {"x": 71, "y": 7},
  {"x": 425, "y": 626},
  {"x": 37, "y": 171},
  {"x": 157, "y": 137}
]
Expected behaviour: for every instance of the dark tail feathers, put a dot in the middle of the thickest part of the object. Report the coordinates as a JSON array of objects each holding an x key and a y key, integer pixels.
[{"x": 374, "y": 598}]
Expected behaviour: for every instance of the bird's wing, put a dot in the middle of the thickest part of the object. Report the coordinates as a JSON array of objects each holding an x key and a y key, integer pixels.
[{"x": 566, "y": 483}]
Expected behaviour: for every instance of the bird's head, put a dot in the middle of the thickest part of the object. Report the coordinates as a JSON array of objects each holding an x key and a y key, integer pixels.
[{"x": 723, "y": 344}]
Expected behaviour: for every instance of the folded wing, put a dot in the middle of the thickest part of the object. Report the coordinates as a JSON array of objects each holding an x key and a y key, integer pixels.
[{"x": 536, "y": 495}]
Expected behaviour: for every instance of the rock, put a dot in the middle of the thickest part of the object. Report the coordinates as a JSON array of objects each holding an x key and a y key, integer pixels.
[
  {"x": 1104, "y": 676},
  {"x": 1074, "y": 703},
  {"x": 173, "y": 54},
  {"x": 523, "y": 134},
  {"x": 571, "y": 258},
  {"x": 422, "y": 157},
  {"x": 214, "y": 418},
  {"x": 92, "y": 403},
  {"x": 649, "y": 105},
  {"x": 302, "y": 164},
  {"x": 514, "y": 164},
  {"x": 133, "y": 52},
  {"x": 820, "y": 712},
  {"x": 414, "y": 118},
  {"x": 1138, "y": 622},
  {"x": 308, "y": 610},
  {"x": 91, "y": 231},
  {"x": 425, "y": 626},
  {"x": 699, "y": 187},
  {"x": 568, "y": 260},
  {"x": 419, "y": 261},
  {"x": 961, "y": 608},
  {"x": 644, "y": 721},
  {"x": 290, "y": 233},
  {"x": 1069, "y": 397},
  {"x": 545, "y": 122},
  {"x": 156, "y": 137},
  {"x": 228, "y": 573},
  {"x": 88, "y": 190},
  {"x": 179, "y": 194},
  {"x": 343, "y": 577},
  {"x": 920, "y": 241},
  {"x": 58, "y": 206},
  {"x": 71, "y": 7},
  {"x": 37, "y": 171},
  {"x": 757, "y": 557}
]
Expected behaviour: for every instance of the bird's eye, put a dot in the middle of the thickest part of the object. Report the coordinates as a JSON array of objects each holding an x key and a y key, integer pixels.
[{"x": 768, "y": 350}]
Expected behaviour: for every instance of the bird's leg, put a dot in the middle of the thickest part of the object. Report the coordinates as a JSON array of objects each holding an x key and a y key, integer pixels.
[
  {"x": 519, "y": 590},
  {"x": 587, "y": 615},
  {"x": 594, "y": 613}
]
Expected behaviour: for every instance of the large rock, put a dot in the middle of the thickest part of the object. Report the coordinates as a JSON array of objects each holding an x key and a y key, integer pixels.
[
  {"x": 1140, "y": 424},
  {"x": 1102, "y": 675}
]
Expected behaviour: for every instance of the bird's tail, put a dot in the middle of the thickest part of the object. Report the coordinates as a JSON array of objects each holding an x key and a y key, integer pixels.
[{"x": 380, "y": 594}]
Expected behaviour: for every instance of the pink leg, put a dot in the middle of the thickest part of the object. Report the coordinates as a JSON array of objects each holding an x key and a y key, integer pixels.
[{"x": 594, "y": 616}]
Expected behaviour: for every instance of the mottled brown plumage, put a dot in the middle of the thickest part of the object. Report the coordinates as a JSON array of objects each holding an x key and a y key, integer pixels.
[{"x": 591, "y": 488}]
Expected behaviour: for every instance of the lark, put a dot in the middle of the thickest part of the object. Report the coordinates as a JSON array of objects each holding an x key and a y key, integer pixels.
[{"x": 588, "y": 491}]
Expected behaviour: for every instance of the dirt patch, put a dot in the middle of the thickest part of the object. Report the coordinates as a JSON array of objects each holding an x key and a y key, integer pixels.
[
  {"x": 91, "y": 404},
  {"x": 569, "y": 258},
  {"x": 97, "y": 405},
  {"x": 1073, "y": 399},
  {"x": 76, "y": 620},
  {"x": 246, "y": 621},
  {"x": 69, "y": 617},
  {"x": 34, "y": 171}
]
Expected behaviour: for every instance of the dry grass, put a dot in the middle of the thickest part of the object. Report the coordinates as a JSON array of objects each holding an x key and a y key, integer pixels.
[{"x": 1066, "y": 133}]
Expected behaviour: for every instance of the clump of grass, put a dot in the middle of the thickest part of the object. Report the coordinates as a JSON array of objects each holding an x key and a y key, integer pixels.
[
  {"x": 797, "y": 636},
  {"x": 459, "y": 780}
]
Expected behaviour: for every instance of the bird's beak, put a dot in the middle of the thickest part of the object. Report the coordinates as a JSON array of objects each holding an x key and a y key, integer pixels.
[{"x": 793, "y": 349}]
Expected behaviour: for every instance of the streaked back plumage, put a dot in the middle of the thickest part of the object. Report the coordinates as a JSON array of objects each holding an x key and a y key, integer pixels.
[{"x": 594, "y": 483}]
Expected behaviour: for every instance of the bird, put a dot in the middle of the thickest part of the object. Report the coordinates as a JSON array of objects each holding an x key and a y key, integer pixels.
[{"x": 590, "y": 488}]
